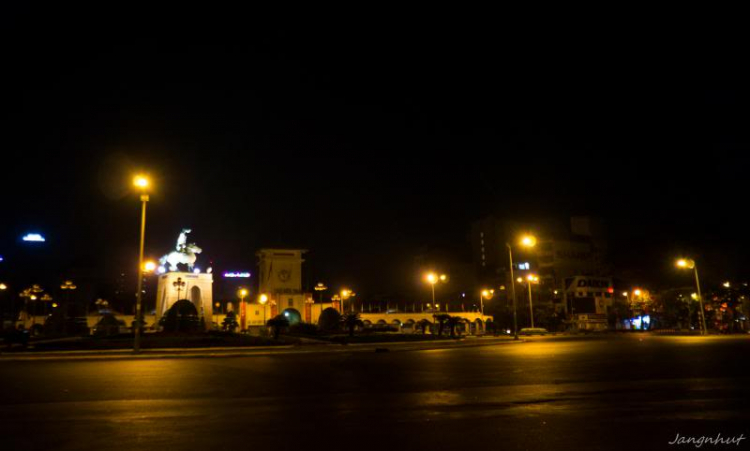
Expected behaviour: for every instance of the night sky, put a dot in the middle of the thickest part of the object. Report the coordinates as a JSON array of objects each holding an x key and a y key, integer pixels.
[{"x": 366, "y": 143}]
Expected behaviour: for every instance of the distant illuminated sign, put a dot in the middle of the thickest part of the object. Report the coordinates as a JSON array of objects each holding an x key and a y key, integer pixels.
[
  {"x": 237, "y": 275},
  {"x": 34, "y": 238},
  {"x": 524, "y": 266}
]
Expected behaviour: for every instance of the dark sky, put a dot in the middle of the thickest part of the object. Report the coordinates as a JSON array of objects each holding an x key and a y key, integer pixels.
[{"x": 367, "y": 142}]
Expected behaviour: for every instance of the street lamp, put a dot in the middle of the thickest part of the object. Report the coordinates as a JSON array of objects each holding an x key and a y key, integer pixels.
[
  {"x": 531, "y": 278},
  {"x": 432, "y": 279},
  {"x": 262, "y": 300},
  {"x": 67, "y": 287},
  {"x": 346, "y": 294},
  {"x": 242, "y": 293},
  {"x": 482, "y": 295},
  {"x": 179, "y": 284},
  {"x": 141, "y": 183},
  {"x": 321, "y": 287},
  {"x": 528, "y": 241},
  {"x": 149, "y": 266},
  {"x": 686, "y": 263}
]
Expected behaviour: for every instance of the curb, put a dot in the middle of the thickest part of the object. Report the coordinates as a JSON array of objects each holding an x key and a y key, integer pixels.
[{"x": 237, "y": 352}]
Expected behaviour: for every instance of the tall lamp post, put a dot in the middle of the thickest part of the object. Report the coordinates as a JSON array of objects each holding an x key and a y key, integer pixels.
[
  {"x": 433, "y": 279},
  {"x": 531, "y": 278},
  {"x": 687, "y": 263},
  {"x": 262, "y": 300},
  {"x": 141, "y": 183},
  {"x": 67, "y": 288},
  {"x": 526, "y": 241},
  {"x": 484, "y": 294},
  {"x": 242, "y": 293},
  {"x": 321, "y": 287},
  {"x": 346, "y": 294}
]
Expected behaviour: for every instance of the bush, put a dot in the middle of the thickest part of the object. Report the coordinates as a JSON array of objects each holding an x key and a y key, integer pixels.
[
  {"x": 329, "y": 320},
  {"x": 181, "y": 317}
]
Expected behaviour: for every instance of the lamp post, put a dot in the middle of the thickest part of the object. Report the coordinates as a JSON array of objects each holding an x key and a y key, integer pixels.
[
  {"x": 179, "y": 284},
  {"x": 321, "y": 287},
  {"x": 337, "y": 298},
  {"x": 141, "y": 183},
  {"x": 262, "y": 300},
  {"x": 433, "y": 279},
  {"x": 531, "y": 278},
  {"x": 242, "y": 293},
  {"x": 687, "y": 263},
  {"x": 346, "y": 294},
  {"x": 67, "y": 288},
  {"x": 526, "y": 241},
  {"x": 484, "y": 294}
]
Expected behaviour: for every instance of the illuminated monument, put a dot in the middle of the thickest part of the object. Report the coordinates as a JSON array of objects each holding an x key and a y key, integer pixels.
[
  {"x": 193, "y": 285},
  {"x": 280, "y": 278}
]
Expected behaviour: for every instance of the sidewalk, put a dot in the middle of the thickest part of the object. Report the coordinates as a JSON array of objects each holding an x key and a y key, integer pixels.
[{"x": 126, "y": 354}]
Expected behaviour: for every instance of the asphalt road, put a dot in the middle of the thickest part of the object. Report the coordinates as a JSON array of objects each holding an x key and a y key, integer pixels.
[{"x": 624, "y": 392}]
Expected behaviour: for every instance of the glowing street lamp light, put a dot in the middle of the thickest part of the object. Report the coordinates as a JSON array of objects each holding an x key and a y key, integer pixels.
[
  {"x": 482, "y": 295},
  {"x": 141, "y": 183},
  {"x": 346, "y": 294},
  {"x": 262, "y": 299},
  {"x": 686, "y": 263},
  {"x": 527, "y": 241},
  {"x": 531, "y": 278},
  {"x": 242, "y": 293},
  {"x": 432, "y": 279},
  {"x": 321, "y": 287},
  {"x": 149, "y": 266}
]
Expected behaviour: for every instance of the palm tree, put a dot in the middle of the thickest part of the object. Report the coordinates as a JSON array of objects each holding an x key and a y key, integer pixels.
[
  {"x": 278, "y": 323},
  {"x": 424, "y": 324},
  {"x": 453, "y": 322},
  {"x": 441, "y": 319},
  {"x": 351, "y": 321}
]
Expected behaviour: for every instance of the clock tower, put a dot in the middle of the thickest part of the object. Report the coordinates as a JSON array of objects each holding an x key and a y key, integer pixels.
[{"x": 280, "y": 278}]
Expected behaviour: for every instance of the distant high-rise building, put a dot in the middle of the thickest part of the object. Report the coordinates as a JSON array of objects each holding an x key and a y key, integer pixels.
[{"x": 563, "y": 251}]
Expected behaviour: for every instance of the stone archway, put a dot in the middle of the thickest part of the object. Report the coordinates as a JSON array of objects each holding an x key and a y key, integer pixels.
[
  {"x": 478, "y": 327},
  {"x": 195, "y": 298}
]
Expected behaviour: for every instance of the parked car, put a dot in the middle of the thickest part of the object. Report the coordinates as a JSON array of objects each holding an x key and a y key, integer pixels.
[{"x": 533, "y": 331}]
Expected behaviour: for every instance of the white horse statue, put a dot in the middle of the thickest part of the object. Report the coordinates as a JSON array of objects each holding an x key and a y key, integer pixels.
[{"x": 186, "y": 257}]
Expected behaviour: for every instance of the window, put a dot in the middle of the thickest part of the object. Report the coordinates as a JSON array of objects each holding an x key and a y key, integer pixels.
[{"x": 291, "y": 302}]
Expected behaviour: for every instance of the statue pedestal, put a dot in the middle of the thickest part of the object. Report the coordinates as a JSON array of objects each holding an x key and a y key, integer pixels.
[{"x": 197, "y": 288}]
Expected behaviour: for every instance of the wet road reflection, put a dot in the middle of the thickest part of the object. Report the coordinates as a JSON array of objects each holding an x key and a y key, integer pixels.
[{"x": 550, "y": 393}]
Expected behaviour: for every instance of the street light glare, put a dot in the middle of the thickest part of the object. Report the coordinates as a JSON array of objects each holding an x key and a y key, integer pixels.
[
  {"x": 263, "y": 299},
  {"x": 528, "y": 241},
  {"x": 141, "y": 181},
  {"x": 685, "y": 263},
  {"x": 149, "y": 266}
]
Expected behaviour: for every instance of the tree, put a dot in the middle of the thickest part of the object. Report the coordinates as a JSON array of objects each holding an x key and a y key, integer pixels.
[
  {"x": 277, "y": 323},
  {"x": 350, "y": 321},
  {"x": 441, "y": 319},
  {"x": 453, "y": 322},
  {"x": 329, "y": 320},
  {"x": 424, "y": 324},
  {"x": 230, "y": 322}
]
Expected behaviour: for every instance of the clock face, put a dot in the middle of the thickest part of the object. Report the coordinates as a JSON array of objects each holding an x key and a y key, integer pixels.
[{"x": 284, "y": 275}]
